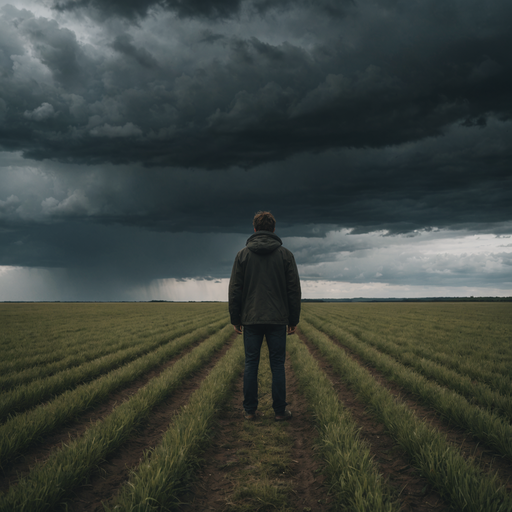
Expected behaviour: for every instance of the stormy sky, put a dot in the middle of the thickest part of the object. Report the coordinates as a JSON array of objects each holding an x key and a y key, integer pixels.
[{"x": 139, "y": 137}]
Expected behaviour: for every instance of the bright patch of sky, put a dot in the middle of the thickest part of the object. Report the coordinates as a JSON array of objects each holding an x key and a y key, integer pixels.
[{"x": 430, "y": 264}]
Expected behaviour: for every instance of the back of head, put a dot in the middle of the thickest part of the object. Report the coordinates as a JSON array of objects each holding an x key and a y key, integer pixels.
[{"x": 264, "y": 221}]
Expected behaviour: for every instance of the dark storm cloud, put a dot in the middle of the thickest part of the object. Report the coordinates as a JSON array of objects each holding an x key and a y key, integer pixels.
[
  {"x": 134, "y": 9},
  {"x": 99, "y": 248},
  {"x": 95, "y": 262},
  {"x": 384, "y": 74},
  {"x": 460, "y": 181},
  {"x": 138, "y": 135},
  {"x": 130, "y": 9},
  {"x": 123, "y": 44},
  {"x": 210, "y": 9}
]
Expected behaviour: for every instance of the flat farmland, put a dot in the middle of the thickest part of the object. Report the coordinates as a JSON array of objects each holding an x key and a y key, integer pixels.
[{"x": 138, "y": 406}]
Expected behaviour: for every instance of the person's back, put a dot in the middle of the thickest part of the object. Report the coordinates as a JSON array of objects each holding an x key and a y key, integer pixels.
[
  {"x": 265, "y": 287},
  {"x": 264, "y": 298}
]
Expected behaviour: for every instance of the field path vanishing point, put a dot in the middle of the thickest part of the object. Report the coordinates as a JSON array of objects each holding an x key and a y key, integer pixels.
[{"x": 341, "y": 451}]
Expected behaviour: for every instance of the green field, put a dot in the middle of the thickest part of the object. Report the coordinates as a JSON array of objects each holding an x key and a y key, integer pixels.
[{"x": 137, "y": 406}]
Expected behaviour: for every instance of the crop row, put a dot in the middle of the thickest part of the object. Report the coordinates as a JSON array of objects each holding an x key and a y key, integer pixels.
[
  {"x": 462, "y": 484},
  {"x": 476, "y": 392},
  {"x": 492, "y": 430},
  {"x": 48, "y": 483},
  {"x": 161, "y": 475},
  {"x": 439, "y": 348},
  {"x": 355, "y": 480},
  {"x": 95, "y": 351},
  {"x": 22, "y": 430},
  {"x": 39, "y": 326},
  {"x": 26, "y": 396},
  {"x": 42, "y": 352},
  {"x": 157, "y": 482}
]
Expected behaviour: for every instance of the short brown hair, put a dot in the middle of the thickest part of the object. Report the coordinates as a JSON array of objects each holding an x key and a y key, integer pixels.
[{"x": 264, "y": 221}]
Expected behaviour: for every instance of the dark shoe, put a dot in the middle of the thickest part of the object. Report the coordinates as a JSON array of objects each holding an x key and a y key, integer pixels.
[
  {"x": 287, "y": 415},
  {"x": 250, "y": 416}
]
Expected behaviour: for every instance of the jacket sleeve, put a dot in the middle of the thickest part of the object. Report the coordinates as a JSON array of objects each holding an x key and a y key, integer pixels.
[
  {"x": 236, "y": 286},
  {"x": 293, "y": 291}
]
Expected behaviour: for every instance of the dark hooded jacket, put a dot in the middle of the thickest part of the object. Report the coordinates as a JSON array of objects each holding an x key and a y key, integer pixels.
[{"x": 264, "y": 286}]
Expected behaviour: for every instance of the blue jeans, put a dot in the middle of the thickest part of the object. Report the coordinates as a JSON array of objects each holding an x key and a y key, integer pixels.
[{"x": 276, "y": 342}]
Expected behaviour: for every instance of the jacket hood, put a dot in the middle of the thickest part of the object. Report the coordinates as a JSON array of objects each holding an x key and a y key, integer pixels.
[{"x": 263, "y": 242}]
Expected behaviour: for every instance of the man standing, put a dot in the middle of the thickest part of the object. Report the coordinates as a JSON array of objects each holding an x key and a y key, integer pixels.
[{"x": 264, "y": 298}]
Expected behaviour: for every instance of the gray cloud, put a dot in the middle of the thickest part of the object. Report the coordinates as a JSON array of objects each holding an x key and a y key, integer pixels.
[
  {"x": 132, "y": 9},
  {"x": 205, "y": 9},
  {"x": 135, "y": 9},
  {"x": 123, "y": 44},
  {"x": 45, "y": 111}
]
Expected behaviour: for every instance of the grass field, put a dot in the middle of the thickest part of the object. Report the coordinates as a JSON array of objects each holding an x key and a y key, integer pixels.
[{"x": 397, "y": 406}]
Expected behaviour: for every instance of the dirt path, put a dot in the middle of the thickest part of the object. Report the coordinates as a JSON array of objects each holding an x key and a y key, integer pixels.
[{"x": 230, "y": 456}]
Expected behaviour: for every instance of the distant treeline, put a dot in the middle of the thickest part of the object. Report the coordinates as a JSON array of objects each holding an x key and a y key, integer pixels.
[
  {"x": 421, "y": 299},
  {"x": 357, "y": 299}
]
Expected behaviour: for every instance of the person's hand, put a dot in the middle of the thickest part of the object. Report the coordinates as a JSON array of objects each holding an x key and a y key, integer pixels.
[
  {"x": 238, "y": 328},
  {"x": 291, "y": 329}
]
